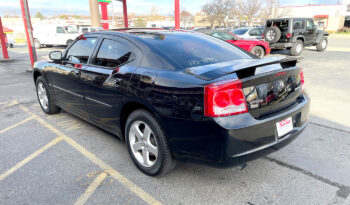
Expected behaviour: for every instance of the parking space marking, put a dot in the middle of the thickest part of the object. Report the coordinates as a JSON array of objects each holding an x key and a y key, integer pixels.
[
  {"x": 90, "y": 190},
  {"x": 104, "y": 166},
  {"x": 30, "y": 157},
  {"x": 16, "y": 124},
  {"x": 8, "y": 105}
]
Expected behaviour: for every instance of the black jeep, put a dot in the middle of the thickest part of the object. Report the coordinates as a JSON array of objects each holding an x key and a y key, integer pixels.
[{"x": 294, "y": 34}]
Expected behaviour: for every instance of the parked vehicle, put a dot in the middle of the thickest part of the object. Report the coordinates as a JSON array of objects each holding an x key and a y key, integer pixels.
[
  {"x": 295, "y": 34},
  {"x": 50, "y": 35},
  {"x": 249, "y": 32},
  {"x": 10, "y": 42},
  {"x": 257, "y": 47},
  {"x": 174, "y": 95},
  {"x": 89, "y": 29}
]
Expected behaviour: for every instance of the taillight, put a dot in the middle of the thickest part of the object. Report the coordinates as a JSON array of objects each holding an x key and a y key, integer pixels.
[
  {"x": 289, "y": 35},
  {"x": 224, "y": 98},
  {"x": 302, "y": 80}
]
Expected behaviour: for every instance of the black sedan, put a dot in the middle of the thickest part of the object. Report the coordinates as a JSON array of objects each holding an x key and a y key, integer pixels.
[{"x": 174, "y": 95}]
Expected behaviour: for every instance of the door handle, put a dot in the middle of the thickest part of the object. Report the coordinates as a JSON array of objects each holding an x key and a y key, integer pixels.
[{"x": 118, "y": 82}]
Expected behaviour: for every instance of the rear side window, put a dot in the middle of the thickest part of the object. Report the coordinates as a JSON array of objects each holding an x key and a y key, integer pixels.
[
  {"x": 298, "y": 24},
  {"x": 112, "y": 54},
  {"x": 190, "y": 50},
  {"x": 60, "y": 29},
  {"x": 255, "y": 32},
  {"x": 240, "y": 31},
  {"x": 85, "y": 30},
  {"x": 80, "y": 51}
]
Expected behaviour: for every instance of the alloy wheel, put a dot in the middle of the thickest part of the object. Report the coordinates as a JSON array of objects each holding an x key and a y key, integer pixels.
[
  {"x": 143, "y": 143},
  {"x": 324, "y": 44},
  {"x": 42, "y": 95},
  {"x": 299, "y": 48}
]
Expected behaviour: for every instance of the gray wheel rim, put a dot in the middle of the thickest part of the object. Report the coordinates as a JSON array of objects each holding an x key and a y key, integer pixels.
[
  {"x": 143, "y": 143},
  {"x": 299, "y": 48},
  {"x": 270, "y": 35},
  {"x": 324, "y": 44},
  {"x": 258, "y": 53},
  {"x": 42, "y": 94}
]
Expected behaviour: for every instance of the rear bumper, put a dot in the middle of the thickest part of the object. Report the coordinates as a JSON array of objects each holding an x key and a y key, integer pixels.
[
  {"x": 231, "y": 140},
  {"x": 281, "y": 45}
]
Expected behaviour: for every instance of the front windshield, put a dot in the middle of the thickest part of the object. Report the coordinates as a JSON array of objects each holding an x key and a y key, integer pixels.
[
  {"x": 240, "y": 31},
  {"x": 70, "y": 29}
]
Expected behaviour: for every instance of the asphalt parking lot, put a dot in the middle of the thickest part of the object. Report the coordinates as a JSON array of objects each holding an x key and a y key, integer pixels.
[{"x": 60, "y": 159}]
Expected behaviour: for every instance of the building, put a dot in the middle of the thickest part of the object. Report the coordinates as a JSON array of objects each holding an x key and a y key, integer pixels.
[{"x": 327, "y": 17}]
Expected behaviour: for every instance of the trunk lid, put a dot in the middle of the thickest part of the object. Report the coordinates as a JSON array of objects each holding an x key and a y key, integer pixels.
[{"x": 269, "y": 85}]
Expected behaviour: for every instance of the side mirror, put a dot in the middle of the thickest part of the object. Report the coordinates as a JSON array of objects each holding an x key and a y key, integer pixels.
[
  {"x": 55, "y": 55},
  {"x": 234, "y": 39}
]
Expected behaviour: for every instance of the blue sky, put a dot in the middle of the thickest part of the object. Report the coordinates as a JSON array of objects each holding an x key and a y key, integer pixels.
[{"x": 54, "y": 7}]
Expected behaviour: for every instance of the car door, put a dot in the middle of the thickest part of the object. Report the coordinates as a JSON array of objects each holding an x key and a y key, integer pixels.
[
  {"x": 106, "y": 80},
  {"x": 66, "y": 81},
  {"x": 310, "y": 35}
]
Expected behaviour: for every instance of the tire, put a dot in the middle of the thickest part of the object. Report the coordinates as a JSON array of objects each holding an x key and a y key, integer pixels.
[
  {"x": 272, "y": 34},
  {"x": 37, "y": 44},
  {"x": 11, "y": 45},
  {"x": 47, "y": 104},
  {"x": 69, "y": 42},
  {"x": 297, "y": 48},
  {"x": 258, "y": 51},
  {"x": 158, "y": 164},
  {"x": 322, "y": 45}
]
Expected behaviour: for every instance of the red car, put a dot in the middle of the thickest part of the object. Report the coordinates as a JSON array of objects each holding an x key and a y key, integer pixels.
[{"x": 259, "y": 48}]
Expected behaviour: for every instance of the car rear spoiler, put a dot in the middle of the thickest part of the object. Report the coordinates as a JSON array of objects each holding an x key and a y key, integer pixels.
[{"x": 213, "y": 71}]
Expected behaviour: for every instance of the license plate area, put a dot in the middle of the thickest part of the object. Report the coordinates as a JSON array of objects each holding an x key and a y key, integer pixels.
[{"x": 284, "y": 127}]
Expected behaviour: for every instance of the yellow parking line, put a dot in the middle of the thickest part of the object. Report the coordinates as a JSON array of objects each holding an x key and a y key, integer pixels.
[
  {"x": 107, "y": 168},
  {"x": 9, "y": 104},
  {"x": 90, "y": 190},
  {"x": 30, "y": 157},
  {"x": 15, "y": 125}
]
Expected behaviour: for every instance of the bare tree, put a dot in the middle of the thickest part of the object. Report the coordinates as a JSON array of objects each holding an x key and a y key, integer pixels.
[
  {"x": 249, "y": 9},
  {"x": 185, "y": 18},
  {"x": 218, "y": 11},
  {"x": 210, "y": 13}
]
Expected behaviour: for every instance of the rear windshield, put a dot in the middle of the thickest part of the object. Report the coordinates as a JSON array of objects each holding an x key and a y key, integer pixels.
[
  {"x": 194, "y": 49},
  {"x": 240, "y": 31}
]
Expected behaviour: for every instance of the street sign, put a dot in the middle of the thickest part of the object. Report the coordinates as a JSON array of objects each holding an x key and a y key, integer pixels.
[{"x": 105, "y": 1}]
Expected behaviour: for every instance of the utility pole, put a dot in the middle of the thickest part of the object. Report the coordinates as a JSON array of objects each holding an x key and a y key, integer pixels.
[{"x": 94, "y": 13}]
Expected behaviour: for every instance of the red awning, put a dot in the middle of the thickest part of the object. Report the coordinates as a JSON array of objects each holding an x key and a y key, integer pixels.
[
  {"x": 7, "y": 30},
  {"x": 321, "y": 16}
]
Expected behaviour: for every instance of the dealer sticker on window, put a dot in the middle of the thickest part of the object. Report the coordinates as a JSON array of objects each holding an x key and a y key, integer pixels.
[{"x": 284, "y": 126}]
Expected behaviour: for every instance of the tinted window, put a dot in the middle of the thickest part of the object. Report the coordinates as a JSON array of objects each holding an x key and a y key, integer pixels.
[
  {"x": 60, "y": 29},
  {"x": 81, "y": 50},
  {"x": 298, "y": 24},
  {"x": 189, "y": 49},
  {"x": 222, "y": 35},
  {"x": 255, "y": 32},
  {"x": 112, "y": 54},
  {"x": 309, "y": 24},
  {"x": 240, "y": 31},
  {"x": 85, "y": 30}
]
